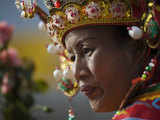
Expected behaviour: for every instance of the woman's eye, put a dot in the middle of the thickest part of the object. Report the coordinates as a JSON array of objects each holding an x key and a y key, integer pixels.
[
  {"x": 72, "y": 58},
  {"x": 87, "y": 51}
]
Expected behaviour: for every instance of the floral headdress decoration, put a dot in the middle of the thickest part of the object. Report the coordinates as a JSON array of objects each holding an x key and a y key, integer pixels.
[{"x": 141, "y": 16}]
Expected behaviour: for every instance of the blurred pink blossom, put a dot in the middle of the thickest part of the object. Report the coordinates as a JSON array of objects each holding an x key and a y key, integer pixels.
[
  {"x": 5, "y": 88},
  {"x": 3, "y": 56},
  {"x": 5, "y": 79},
  {"x": 5, "y": 32},
  {"x": 14, "y": 57},
  {"x": 11, "y": 57}
]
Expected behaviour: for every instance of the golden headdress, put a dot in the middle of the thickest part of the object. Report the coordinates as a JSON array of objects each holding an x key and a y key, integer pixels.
[{"x": 141, "y": 16}]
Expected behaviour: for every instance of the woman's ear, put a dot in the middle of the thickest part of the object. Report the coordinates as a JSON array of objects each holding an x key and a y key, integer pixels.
[{"x": 135, "y": 52}]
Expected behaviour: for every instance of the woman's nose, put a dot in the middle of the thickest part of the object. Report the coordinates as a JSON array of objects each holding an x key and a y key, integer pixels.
[{"x": 80, "y": 70}]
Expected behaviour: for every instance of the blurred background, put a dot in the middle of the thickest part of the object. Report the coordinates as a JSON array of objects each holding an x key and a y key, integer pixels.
[{"x": 30, "y": 42}]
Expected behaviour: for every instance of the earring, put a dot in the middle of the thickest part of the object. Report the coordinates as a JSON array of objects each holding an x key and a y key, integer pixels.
[{"x": 68, "y": 86}]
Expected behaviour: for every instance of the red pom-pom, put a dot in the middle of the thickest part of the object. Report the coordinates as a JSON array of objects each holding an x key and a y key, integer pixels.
[{"x": 57, "y": 4}]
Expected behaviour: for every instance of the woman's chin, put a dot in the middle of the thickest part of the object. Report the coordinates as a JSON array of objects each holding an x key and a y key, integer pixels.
[{"x": 100, "y": 106}]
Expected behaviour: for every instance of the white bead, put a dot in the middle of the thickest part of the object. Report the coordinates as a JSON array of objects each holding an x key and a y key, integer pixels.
[
  {"x": 22, "y": 5},
  {"x": 57, "y": 74},
  {"x": 23, "y": 14},
  {"x": 41, "y": 26},
  {"x": 135, "y": 32},
  {"x": 151, "y": 64},
  {"x": 55, "y": 49},
  {"x": 67, "y": 73},
  {"x": 52, "y": 49},
  {"x": 59, "y": 48},
  {"x": 71, "y": 115},
  {"x": 17, "y": 3}
]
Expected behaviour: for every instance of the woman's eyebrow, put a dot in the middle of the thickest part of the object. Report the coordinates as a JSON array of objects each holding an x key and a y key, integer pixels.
[{"x": 81, "y": 42}]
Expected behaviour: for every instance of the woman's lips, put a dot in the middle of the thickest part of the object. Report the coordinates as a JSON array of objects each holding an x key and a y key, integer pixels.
[{"x": 90, "y": 91}]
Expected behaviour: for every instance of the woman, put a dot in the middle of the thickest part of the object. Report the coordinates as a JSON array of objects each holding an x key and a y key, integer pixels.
[
  {"x": 114, "y": 70},
  {"x": 102, "y": 65},
  {"x": 106, "y": 66}
]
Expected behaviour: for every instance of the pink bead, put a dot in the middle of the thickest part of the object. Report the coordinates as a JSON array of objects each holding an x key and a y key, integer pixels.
[{"x": 154, "y": 61}]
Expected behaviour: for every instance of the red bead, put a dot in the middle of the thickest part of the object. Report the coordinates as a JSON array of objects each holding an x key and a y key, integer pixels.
[
  {"x": 154, "y": 61},
  {"x": 57, "y": 4},
  {"x": 93, "y": 10},
  {"x": 136, "y": 80},
  {"x": 23, "y": 2},
  {"x": 145, "y": 72}
]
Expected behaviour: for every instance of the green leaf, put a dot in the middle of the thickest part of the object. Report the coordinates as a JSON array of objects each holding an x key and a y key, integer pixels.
[{"x": 40, "y": 86}]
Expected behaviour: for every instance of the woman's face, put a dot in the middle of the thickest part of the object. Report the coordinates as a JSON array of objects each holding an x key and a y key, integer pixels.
[{"x": 101, "y": 67}]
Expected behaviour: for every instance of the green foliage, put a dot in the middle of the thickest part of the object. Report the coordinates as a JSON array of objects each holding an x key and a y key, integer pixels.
[
  {"x": 16, "y": 111},
  {"x": 40, "y": 86}
]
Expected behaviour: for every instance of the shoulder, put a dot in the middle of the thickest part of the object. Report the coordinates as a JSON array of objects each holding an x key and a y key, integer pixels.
[{"x": 143, "y": 109}]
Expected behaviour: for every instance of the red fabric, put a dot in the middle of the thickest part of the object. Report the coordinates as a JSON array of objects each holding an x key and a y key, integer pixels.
[
  {"x": 140, "y": 110},
  {"x": 138, "y": 7}
]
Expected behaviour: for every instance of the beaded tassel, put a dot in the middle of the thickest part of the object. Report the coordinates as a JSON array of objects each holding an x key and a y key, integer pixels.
[
  {"x": 27, "y": 7},
  {"x": 71, "y": 115},
  {"x": 67, "y": 86},
  {"x": 147, "y": 74}
]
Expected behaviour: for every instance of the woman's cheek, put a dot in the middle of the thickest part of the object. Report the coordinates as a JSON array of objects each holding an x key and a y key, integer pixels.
[
  {"x": 97, "y": 65},
  {"x": 93, "y": 63}
]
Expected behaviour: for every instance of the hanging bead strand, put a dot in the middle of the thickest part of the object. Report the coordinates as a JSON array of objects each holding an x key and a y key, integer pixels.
[
  {"x": 17, "y": 3},
  {"x": 136, "y": 83},
  {"x": 27, "y": 7},
  {"x": 148, "y": 72}
]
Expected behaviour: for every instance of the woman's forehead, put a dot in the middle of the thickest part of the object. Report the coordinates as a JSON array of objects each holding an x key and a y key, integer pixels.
[
  {"x": 94, "y": 34},
  {"x": 76, "y": 38}
]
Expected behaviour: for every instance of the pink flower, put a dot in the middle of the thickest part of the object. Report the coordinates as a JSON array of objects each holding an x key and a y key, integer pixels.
[
  {"x": 5, "y": 79},
  {"x": 10, "y": 57},
  {"x": 72, "y": 14},
  {"x": 5, "y": 88},
  {"x": 93, "y": 10},
  {"x": 3, "y": 56},
  {"x": 14, "y": 57},
  {"x": 118, "y": 9},
  {"x": 5, "y": 32}
]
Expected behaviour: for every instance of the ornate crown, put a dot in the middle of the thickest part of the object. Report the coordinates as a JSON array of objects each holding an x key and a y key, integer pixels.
[
  {"x": 142, "y": 17},
  {"x": 88, "y": 12}
]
